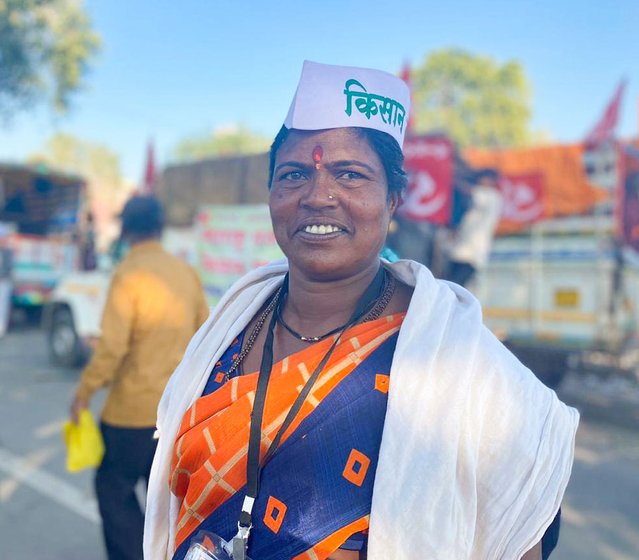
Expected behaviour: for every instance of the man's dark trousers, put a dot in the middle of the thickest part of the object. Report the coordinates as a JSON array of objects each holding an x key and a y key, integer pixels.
[{"x": 127, "y": 459}]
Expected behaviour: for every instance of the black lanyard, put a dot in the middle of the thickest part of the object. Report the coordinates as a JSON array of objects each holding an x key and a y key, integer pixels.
[{"x": 254, "y": 467}]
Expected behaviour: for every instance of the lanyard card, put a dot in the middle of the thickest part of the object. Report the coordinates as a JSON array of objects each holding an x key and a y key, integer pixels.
[{"x": 209, "y": 546}]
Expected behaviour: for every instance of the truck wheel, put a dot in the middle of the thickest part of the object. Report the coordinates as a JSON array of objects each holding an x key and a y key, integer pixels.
[{"x": 65, "y": 348}]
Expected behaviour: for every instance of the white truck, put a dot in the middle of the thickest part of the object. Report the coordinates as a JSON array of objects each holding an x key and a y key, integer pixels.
[
  {"x": 71, "y": 316},
  {"x": 564, "y": 294}
]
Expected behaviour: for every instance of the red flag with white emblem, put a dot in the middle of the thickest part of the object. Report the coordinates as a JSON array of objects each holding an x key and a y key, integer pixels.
[
  {"x": 523, "y": 199},
  {"x": 429, "y": 163}
]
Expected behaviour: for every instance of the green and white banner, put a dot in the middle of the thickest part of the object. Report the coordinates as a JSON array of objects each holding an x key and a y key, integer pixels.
[{"x": 230, "y": 241}]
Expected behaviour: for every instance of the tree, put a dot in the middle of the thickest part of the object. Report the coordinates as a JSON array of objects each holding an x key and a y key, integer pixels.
[
  {"x": 46, "y": 47},
  {"x": 474, "y": 99},
  {"x": 99, "y": 166},
  {"x": 91, "y": 160},
  {"x": 234, "y": 140}
]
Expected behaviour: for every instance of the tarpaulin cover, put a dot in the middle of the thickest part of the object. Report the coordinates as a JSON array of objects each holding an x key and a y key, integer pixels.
[{"x": 566, "y": 187}]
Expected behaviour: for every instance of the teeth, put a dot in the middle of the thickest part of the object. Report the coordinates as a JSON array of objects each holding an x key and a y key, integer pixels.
[{"x": 321, "y": 229}]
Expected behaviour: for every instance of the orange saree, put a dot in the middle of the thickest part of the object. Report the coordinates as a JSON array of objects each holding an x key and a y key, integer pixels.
[{"x": 316, "y": 489}]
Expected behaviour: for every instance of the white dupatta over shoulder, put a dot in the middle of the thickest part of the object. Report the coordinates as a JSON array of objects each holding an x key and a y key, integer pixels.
[{"x": 476, "y": 453}]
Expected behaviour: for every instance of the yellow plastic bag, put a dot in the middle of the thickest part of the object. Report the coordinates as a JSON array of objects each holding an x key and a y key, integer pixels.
[{"x": 85, "y": 447}]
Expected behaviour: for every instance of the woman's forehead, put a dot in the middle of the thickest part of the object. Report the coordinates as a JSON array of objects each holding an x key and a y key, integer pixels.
[{"x": 335, "y": 143}]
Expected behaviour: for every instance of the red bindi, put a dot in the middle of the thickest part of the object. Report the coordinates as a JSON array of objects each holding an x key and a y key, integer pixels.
[{"x": 317, "y": 155}]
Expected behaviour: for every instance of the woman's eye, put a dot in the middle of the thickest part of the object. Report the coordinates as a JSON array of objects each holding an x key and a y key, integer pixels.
[
  {"x": 292, "y": 176},
  {"x": 351, "y": 175}
]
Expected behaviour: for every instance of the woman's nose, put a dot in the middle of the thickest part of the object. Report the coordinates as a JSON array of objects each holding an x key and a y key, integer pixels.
[{"x": 319, "y": 193}]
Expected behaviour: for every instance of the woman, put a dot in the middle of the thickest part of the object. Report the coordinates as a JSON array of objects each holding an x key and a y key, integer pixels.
[{"x": 271, "y": 428}]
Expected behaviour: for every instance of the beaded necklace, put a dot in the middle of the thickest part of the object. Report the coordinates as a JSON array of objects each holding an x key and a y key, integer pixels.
[{"x": 274, "y": 304}]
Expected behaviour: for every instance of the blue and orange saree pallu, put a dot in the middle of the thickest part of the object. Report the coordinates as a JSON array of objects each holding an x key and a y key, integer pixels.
[{"x": 316, "y": 490}]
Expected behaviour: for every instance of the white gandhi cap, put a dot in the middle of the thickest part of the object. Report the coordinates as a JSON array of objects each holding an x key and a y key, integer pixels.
[{"x": 330, "y": 96}]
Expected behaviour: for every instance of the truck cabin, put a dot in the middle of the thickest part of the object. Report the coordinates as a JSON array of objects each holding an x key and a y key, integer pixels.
[{"x": 38, "y": 201}]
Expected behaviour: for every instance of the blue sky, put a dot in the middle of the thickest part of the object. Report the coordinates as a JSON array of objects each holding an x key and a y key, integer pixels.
[{"x": 170, "y": 69}]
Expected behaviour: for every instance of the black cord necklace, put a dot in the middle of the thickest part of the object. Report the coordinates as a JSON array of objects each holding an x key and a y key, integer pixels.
[
  {"x": 374, "y": 311},
  {"x": 309, "y": 339}
]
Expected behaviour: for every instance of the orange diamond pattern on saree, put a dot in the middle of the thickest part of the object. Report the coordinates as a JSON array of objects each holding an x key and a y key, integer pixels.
[
  {"x": 274, "y": 515},
  {"x": 381, "y": 382},
  {"x": 356, "y": 467}
]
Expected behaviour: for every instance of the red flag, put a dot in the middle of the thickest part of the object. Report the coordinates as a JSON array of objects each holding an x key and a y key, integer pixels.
[
  {"x": 523, "y": 198},
  {"x": 149, "y": 170},
  {"x": 605, "y": 128},
  {"x": 405, "y": 75},
  {"x": 429, "y": 163}
]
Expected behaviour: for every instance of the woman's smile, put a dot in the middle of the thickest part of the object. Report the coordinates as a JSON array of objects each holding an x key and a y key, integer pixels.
[{"x": 321, "y": 230}]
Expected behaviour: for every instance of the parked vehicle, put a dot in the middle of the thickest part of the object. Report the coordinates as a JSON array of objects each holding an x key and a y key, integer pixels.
[
  {"x": 40, "y": 214},
  {"x": 564, "y": 295},
  {"x": 71, "y": 316}
]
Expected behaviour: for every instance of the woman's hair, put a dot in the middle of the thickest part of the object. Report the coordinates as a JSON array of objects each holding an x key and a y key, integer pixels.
[{"x": 384, "y": 145}]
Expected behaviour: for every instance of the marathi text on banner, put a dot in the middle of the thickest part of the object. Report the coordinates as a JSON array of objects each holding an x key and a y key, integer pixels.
[{"x": 231, "y": 240}]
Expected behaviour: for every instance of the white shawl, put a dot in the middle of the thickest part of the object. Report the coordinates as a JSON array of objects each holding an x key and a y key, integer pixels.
[{"x": 476, "y": 452}]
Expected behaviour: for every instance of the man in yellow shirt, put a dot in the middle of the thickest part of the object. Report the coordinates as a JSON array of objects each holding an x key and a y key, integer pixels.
[{"x": 154, "y": 306}]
